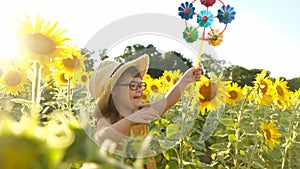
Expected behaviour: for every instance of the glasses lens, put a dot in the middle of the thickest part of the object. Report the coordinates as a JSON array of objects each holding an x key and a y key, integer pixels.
[
  {"x": 143, "y": 86},
  {"x": 134, "y": 85}
]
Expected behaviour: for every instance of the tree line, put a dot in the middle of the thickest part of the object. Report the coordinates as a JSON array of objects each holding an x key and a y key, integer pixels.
[{"x": 173, "y": 60}]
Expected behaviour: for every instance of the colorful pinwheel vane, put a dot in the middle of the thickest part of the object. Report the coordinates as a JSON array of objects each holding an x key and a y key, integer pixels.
[{"x": 205, "y": 18}]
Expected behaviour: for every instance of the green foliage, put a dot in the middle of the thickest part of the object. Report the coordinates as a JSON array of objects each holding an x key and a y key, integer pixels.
[
  {"x": 214, "y": 65},
  {"x": 241, "y": 75},
  {"x": 159, "y": 62},
  {"x": 85, "y": 150},
  {"x": 294, "y": 84}
]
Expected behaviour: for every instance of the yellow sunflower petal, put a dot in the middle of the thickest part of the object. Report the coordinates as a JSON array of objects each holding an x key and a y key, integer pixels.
[
  {"x": 270, "y": 134},
  {"x": 211, "y": 93},
  {"x": 40, "y": 41},
  {"x": 13, "y": 80}
]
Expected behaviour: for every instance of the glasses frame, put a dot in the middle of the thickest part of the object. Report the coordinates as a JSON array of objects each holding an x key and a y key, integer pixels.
[{"x": 139, "y": 85}]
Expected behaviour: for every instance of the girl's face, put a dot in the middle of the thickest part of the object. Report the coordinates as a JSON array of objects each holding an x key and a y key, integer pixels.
[
  {"x": 135, "y": 92},
  {"x": 128, "y": 94}
]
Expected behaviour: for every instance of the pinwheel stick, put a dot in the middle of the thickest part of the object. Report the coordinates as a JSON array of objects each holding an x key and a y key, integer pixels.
[{"x": 199, "y": 54}]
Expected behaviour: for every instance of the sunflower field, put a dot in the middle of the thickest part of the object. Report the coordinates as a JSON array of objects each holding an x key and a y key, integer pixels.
[{"x": 46, "y": 114}]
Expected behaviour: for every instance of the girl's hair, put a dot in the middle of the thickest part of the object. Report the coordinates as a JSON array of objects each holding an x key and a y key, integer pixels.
[{"x": 111, "y": 112}]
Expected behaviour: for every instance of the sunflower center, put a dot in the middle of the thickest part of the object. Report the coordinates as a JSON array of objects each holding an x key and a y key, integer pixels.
[
  {"x": 209, "y": 92},
  {"x": 280, "y": 103},
  {"x": 279, "y": 90},
  {"x": 39, "y": 44},
  {"x": 233, "y": 95},
  {"x": 263, "y": 86},
  {"x": 145, "y": 97},
  {"x": 71, "y": 63},
  {"x": 190, "y": 34},
  {"x": 175, "y": 80},
  {"x": 168, "y": 78},
  {"x": 154, "y": 88},
  {"x": 268, "y": 134},
  {"x": 62, "y": 78},
  {"x": 84, "y": 78},
  {"x": 13, "y": 78}
]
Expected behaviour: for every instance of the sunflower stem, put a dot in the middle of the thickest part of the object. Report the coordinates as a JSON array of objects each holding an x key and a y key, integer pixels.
[
  {"x": 180, "y": 154},
  {"x": 238, "y": 133},
  {"x": 292, "y": 134},
  {"x": 36, "y": 94}
]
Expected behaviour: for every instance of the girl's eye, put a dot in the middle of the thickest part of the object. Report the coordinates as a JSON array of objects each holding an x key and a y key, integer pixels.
[{"x": 133, "y": 85}]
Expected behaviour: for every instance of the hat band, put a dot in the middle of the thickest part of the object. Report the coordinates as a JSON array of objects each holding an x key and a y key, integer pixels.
[{"x": 116, "y": 69}]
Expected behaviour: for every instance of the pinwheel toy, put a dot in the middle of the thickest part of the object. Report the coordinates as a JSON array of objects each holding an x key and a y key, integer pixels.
[{"x": 205, "y": 19}]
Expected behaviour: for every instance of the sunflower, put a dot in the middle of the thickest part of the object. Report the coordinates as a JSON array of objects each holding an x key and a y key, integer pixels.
[
  {"x": 61, "y": 79},
  {"x": 82, "y": 77},
  {"x": 281, "y": 91},
  {"x": 263, "y": 88},
  {"x": 41, "y": 41},
  {"x": 169, "y": 78},
  {"x": 166, "y": 79},
  {"x": 154, "y": 86},
  {"x": 13, "y": 81},
  {"x": 270, "y": 133},
  {"x": 146, "y": 77},
  {"x": 248, "y": 92},
  {"x": 211, "y": 93},
  {"x": 145, "y": 98},
  {"x": 297, "y": 96},
  {"x": 280, "y": 103},
  {"x": 176, "y": 74},
  {"x": 73, "y": 63},
  {"x": 234, "y": 92}
]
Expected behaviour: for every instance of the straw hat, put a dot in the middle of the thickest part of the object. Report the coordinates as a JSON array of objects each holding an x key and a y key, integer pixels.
[{"x": 107, "y": 74}]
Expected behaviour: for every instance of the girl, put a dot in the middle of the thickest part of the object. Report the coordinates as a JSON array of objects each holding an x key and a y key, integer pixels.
[{"x": 118, "y": 89}]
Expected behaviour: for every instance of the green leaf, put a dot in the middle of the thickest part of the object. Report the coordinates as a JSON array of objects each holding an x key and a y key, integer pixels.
[
  {"x": 228, "y": 122},
  {"x": 219, "y": 146},
  {"x": 167, "y": 144},
  {"x": 22, "y": 101},
  {"x": 171, "y": 165},
  {"x": 83, "y": 149},
  {"x": 231, "y": 137},
  {"x": 166, "y": 154},
  {"x": 257, "y": 165},
  {"x": 172, "y": 129}
]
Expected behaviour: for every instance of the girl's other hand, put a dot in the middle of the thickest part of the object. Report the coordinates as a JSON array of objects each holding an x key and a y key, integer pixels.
[{"x": 145, "y": 116}]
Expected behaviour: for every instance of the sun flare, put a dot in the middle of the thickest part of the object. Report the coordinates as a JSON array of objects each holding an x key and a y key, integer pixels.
[{"x": 40, "y": 40}]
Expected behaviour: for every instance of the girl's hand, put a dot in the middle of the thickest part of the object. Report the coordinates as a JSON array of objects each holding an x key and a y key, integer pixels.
[
  {"x": 192, "y": 74},
  {"x": 145, "y": 116}
]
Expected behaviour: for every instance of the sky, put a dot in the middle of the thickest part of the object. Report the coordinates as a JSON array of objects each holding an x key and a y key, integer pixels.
[{"x": 263, "y": 34}]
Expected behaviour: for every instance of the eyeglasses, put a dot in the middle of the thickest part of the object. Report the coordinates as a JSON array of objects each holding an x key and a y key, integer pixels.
[{"x": 134, "y": 86}]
